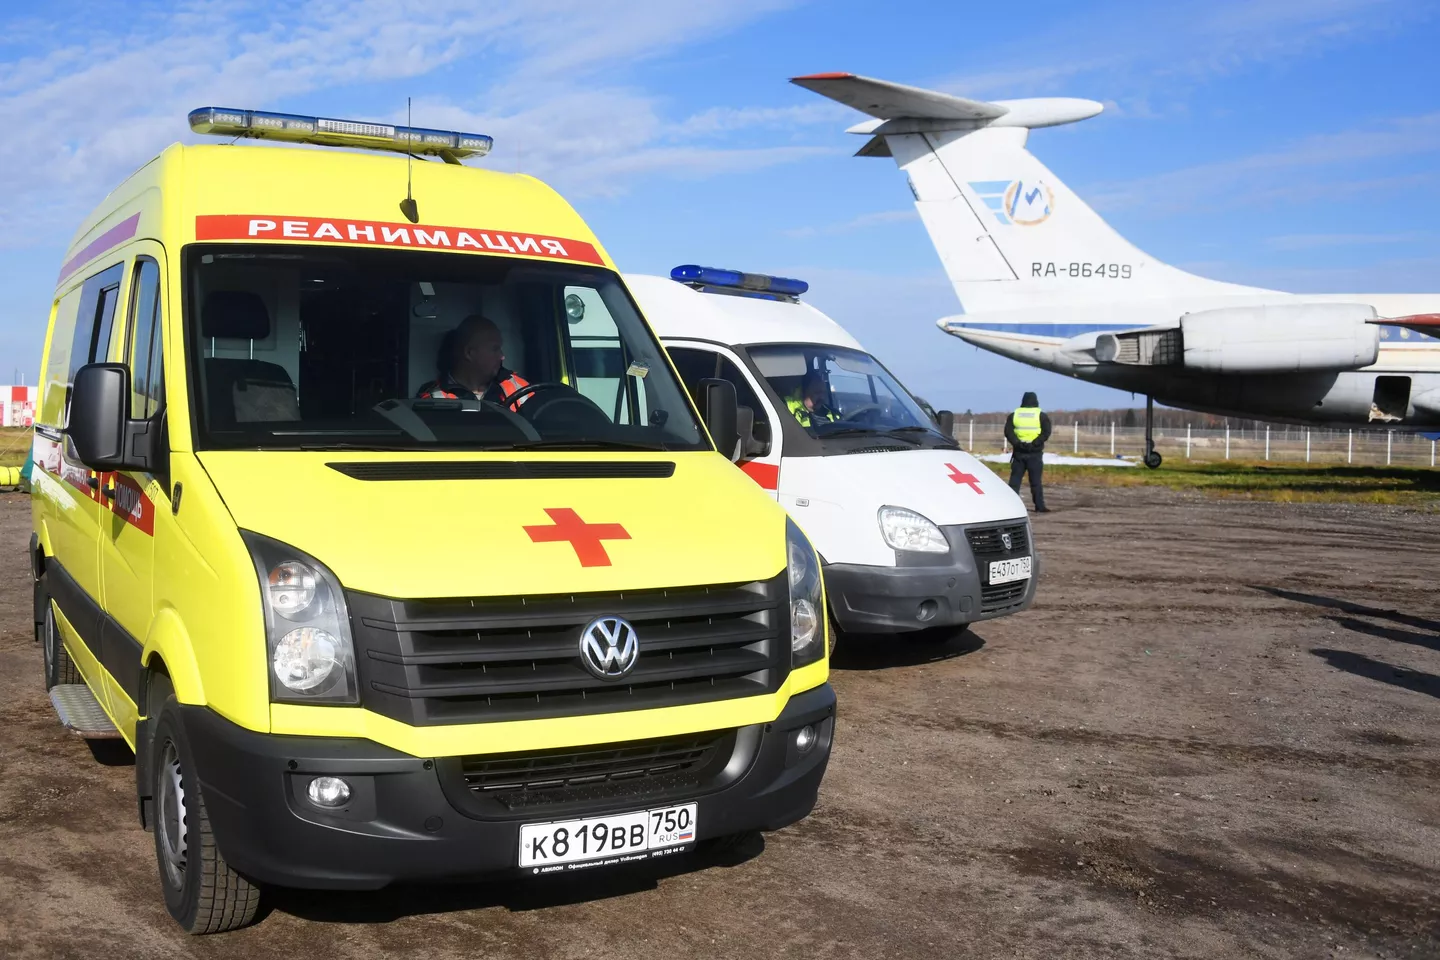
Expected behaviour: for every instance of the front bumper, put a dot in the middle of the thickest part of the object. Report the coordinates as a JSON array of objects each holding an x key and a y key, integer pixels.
[
  {"x": 406, "y": 821},
  {"x": 922, "y": 590}
]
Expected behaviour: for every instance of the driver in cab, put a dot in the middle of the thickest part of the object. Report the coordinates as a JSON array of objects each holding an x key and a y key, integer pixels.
[
  {"x": 809, "y": 403},
  {"x": 471, "y": 365}
]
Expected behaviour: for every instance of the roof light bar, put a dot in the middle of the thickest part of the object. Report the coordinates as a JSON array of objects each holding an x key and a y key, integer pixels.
[
  {"x": 449, "y": 145},
  {"x": 734, "y": 279}
]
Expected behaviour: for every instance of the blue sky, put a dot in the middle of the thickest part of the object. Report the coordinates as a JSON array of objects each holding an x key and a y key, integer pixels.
[{"x": 1286, "y": 143}]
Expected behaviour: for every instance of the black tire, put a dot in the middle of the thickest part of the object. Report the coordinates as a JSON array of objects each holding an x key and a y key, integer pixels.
[
  {"x": 59, "y": 668},
  {"x": 834, "y": 638},
  {"x": 202, "y": 893},
  {"x": 1153, "y": 460}
]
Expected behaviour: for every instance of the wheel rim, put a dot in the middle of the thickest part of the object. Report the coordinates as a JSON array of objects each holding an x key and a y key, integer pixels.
[{"x": 171, "y": 791}]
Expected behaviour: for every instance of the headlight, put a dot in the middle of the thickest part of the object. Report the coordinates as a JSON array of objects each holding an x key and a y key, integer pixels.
[
  {"x": 807, "y": 606},
  {"x": 907, "y": 530},
  {"x": 307, "y": 628}
]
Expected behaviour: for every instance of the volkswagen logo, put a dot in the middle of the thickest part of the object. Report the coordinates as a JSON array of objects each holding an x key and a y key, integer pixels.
[
  {"x": 609, "y": 647},
  {"x": 1005, "y": 540}
]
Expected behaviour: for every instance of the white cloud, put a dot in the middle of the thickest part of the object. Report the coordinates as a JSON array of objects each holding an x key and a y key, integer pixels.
[
  {"x": 1122, "y": 56},
  {"x": 1273, "y": 175},
  {"x": 81, "y": 116},
  {"x": 856, "y": 223},
  {"x": 718, "y": 120}
]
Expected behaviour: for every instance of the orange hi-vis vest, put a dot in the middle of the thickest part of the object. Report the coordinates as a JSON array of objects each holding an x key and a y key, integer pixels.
[{"x": 509, "y": 386}]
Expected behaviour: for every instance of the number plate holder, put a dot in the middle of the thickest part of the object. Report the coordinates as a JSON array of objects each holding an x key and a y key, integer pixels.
[
  {"x": 604, "y": 841},
  {"x": 1008, "y": 571}
]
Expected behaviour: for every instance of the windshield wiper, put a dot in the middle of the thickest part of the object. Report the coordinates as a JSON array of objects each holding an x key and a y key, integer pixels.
[
  {"x": 580, "y": 444},
  {"x": 929, "y": 431},
  {"x": 861, "y": 432}
]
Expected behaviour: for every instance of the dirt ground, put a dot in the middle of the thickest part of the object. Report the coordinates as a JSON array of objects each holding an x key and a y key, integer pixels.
[{"x": 1215, "y": 735}]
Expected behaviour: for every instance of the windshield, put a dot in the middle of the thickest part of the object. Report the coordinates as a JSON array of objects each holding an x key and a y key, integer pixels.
[
  {"x": 837, "y": 392},
  {"x": 346, "y": 348}
]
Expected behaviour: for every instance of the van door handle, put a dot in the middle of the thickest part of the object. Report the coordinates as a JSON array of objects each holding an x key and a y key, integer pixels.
[
  {"x": 93, "y": 482},
  {"x": 108, "y": 492}
]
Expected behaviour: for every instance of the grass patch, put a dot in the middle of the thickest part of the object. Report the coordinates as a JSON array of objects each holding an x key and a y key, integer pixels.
[
  {"x": 14, "y": 445},
  {"x": 1287, "y": 483}
]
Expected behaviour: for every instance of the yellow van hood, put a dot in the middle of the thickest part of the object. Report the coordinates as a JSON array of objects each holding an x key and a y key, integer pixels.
[{"x": 415, "y": 538}]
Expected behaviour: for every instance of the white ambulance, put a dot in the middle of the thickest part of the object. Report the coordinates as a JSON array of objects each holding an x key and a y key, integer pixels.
[{"x": 913, "y": 532}]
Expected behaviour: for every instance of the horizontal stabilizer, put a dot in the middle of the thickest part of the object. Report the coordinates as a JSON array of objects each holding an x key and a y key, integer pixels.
[
  {"x": 886, "y": 100},
  {"x": 900, "y": 109}
]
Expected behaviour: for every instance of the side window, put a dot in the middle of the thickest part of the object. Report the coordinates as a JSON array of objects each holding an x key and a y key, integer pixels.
[
  {"x": 90, "y": 329},
  {"x": 600, "y": 361},
  {"x": 91, "y": 342},
  {"x": 699, "y": 364},
  {"x": 57, "y": 362},
  {"x": 693, "y": 366},
  {"x": 143, "y": 355},
  {"x": 744, "y": 393}
]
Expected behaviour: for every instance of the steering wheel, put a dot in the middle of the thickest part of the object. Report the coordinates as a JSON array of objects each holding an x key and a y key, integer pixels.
[
  {"x": 871, "y": 408},
  {"x": 530, "y": 389},
  {"x": 558, "y": 394}
]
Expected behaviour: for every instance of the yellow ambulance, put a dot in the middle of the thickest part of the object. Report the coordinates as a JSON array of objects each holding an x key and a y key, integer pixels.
[{"x": 371, "y": 514}]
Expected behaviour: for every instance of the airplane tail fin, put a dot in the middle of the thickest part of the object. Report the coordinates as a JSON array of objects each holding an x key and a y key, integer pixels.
[{"x": 1010, "y": 234}]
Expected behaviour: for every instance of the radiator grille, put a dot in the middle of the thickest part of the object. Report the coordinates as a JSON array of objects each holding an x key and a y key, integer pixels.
[
  {"x": 989, "y": 542},
  {"x": 463, "y": 661}
]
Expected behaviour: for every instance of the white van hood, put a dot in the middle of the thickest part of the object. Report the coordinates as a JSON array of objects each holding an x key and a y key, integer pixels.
[{"x": 845, "y": 492}]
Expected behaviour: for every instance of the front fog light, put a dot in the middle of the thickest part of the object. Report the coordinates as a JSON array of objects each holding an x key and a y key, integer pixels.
[
  {"x": 805, "y": 738},
  {"x": 332, "y": 791},
  {"x": 304, "y": 658}
]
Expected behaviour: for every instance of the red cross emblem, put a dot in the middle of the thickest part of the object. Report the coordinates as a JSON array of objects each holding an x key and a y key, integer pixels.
[
  {"x": 959, "y": 477},
  {"x": 584, "y": 537}
]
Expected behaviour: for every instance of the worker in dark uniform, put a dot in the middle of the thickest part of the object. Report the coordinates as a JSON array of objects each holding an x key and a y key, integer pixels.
[
  {"x": 471, "y": 365},
  {"x": 1027, "y": 429}
]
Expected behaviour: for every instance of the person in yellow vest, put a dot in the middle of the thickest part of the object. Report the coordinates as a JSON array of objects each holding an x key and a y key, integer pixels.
[
  {"x": 808, "y": 404},
  {"x": 1027, "y": 429}
]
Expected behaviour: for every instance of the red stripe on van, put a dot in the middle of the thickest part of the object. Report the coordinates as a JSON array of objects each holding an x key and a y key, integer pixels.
[
  {"x": 113, "y": 237},
  {"x": 382, "y": 234},
  {"x": 765, "y": 474}
]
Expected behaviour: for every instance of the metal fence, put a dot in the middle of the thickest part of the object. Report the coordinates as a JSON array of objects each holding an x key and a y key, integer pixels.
[{"x": 1277, "y": 442}]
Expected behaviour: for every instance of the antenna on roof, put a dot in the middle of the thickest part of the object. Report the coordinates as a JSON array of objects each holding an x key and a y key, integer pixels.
[{"x": 408, "y": 205}]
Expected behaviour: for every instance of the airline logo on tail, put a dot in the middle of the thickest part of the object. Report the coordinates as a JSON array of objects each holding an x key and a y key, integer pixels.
[{"x": 1016, "y": 201}]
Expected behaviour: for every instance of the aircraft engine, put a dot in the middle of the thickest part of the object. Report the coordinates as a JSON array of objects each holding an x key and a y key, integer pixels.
[{"x": 1275, "y": 338}]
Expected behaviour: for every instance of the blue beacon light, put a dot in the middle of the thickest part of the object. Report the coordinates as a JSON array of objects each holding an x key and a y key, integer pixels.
[{"x": 753, "y": 283}]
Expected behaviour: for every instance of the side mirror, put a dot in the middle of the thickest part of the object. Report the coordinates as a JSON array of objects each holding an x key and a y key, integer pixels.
[
  {"x": 945, "y": 420},
  {"x": 98, "y": 402},
  {"x": 722, "y": 414},
  {"x": 100, "y": 428}
]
